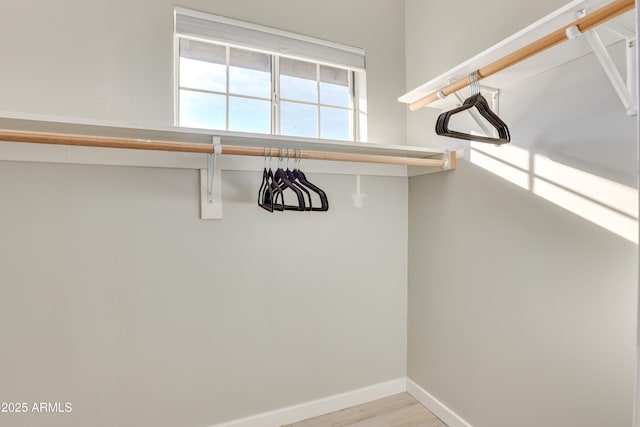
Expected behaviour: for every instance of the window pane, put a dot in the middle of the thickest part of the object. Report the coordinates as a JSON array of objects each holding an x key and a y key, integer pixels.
[
  {"x": 334, "y": 124},
  {"x": 250, "y": 73},
  {"x": 202, "y": 75},
  {"x": 298, "y": 80},
  {"x": 298, "y": 119},
  {"x": 334, "y": 86},
  {"x": 249, "y": 115},
  {"x": 202, "y": 110},
  {"x": 202, "y": 66},
  {"x": 334, "y": 95}
]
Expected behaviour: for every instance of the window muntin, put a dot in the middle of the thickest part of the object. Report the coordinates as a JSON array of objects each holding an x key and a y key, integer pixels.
[{"x": 229, "y": 88}]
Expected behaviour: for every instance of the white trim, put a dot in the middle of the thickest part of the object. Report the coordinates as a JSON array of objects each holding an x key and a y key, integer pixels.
[
  {"x": 176, "y": 74},
  {"x": 264, "y": 29},
  {"x": 318, "y": 407},
  {"x": 438, "y": 408},
  {"x": 216, "y": 28}
]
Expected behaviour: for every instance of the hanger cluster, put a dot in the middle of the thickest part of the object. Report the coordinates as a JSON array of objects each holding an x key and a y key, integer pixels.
[
  {"x": 286, "y": 184},
  {"x": 480, "y": 103}
]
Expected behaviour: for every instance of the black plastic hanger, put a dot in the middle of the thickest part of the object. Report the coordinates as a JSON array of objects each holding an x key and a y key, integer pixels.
[
  {"x": 274, "y": 193},
  {"x": 480, "y": 103},
  {"x": 302, "y": 179},
  {"x": 269, "y": 191},
  {"x": 282, "y": 181},
  {"x": 308, "y": 204},
  {"x": 274, "y": 184},
  {"x": 307, "y": 201},
  {"x": 263, "y": 201}
]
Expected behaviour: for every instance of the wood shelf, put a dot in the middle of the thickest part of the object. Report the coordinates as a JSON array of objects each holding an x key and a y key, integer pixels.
[
  {"x": 73, "y": 154},
  {"x": 34, "y": 123},
  {"x": 552, "y": 58}
]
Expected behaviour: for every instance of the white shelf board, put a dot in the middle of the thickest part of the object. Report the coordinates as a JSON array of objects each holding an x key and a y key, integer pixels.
[
  {"x": 549, "y": 59},
  {"x": 37, "y": 123}
]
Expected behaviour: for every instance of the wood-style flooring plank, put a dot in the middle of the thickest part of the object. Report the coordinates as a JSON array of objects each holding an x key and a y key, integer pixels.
[
  {"x": 358, "y": 413},
  {"x": 371, "y": 422},
  {"x": 400, "y": 410},
  {"x": 414, "y": 415}
]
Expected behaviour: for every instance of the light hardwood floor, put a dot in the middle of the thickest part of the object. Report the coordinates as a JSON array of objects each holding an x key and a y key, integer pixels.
[{"x": 400, "y": 410}]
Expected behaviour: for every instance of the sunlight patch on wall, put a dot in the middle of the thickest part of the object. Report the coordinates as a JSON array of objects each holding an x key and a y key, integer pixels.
[
  {"x": 616, "y": 196},
  {"x": 510, "y": 163},
  {"x": 599, "y": 214},
  {"x": 515, "y": 156},
  {"x": 610, "y": 205}
]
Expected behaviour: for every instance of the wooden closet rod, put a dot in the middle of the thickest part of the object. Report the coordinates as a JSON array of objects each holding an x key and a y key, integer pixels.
[
  {"x": 587, "y": 22},
  {"x": 191, "y": 147}
]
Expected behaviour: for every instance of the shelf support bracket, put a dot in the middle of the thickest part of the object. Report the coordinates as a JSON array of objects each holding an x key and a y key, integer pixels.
[
  {"x": 612, "y": 72},
  {"x": 211, "y": 184},
  {"x": 632, "y": 67},
  {"x": 624, "y": 90}
]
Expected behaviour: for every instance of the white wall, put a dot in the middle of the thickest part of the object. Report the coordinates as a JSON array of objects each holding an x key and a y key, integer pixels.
[
  {"x": 115, "y": 297},
  {"x": 522, "y": 313},
  {"x": 113, "y": 59}
]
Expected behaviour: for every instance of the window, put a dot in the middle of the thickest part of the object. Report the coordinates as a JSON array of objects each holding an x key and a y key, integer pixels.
[
  {"x": 240, "y": 77},
  {"x": 224, "y": 88}
]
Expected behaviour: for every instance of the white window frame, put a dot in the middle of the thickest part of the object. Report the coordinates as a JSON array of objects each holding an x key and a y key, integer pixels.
[{"x": 278, "y": 43}]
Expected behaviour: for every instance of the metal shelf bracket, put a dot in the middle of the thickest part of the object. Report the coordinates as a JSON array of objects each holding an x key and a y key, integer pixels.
[
  {"x": 211, "y": 184},
  {"x": 624, "y": 90}
]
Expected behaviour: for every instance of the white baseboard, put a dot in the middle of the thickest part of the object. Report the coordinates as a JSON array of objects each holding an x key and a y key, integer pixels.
[
  {"x": 323, "y": 406},
  {"x": 438, "y": 408}
]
